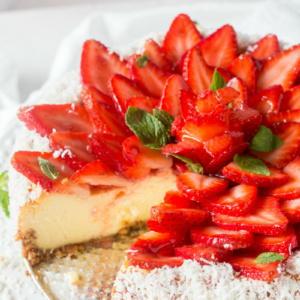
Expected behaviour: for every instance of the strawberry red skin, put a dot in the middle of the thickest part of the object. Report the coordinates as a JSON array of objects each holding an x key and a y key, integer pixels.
[
  {"x": 290, "y": 99},
  {"x": 199, "y": 187},
  {"x": 144, "y": 103},
  {"x": 256, "y": 221},
  {"x": 291, "y": 209},
  {"x": 47, "y": 118},
  {"x": 282, "y": 117},
  {"x": 236, "y": 174},
  {"x": 244, "y": 263},
  {"x": 178, "y": 199},
  {"x": 238, "y": 84},
  {"x": 216, "y": 236},
  {"x": 90, "y": 92},
  {"x": 98, "y": 64}
]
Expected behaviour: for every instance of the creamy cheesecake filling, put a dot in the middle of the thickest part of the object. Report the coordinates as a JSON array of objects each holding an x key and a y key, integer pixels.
[{"x": 62, "y": 219}]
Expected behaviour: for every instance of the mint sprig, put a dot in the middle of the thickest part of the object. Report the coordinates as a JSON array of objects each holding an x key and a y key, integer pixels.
[
  {"x": 251, "y": 164},
  {"x": 192, "y": 166},
  {"x": 48, "y": 169},
  {"x": 265, "y": 141},
  {"x": 218, "y": 81},
  {"x": 268, "y": 257},
  {"x": 4, "y": 197},
  {"x": 164, "y": 117},
  {"x": 142, "y": 61},
  {"x": 152, "y": 130}
]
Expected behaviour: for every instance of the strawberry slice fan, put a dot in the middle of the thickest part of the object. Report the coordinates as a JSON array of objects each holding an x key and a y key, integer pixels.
[{"x": 227, "y": 119}]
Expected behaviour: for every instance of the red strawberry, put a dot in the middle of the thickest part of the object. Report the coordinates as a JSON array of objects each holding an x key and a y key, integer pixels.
[
  {"x": 178, "y": 199},
  {"x": 98, "y": 64},
  {"x": 198, "y": 81},
  {"x": 98, "y": 173},
  {"x": 227, "y": 95},
  {"x": 220, "y": 48},
  {"x": 90, "y": 92},
  {"x": 206, "y": 102},
  {"x": 105, "y": 118},
  {"x": 244, "y": 263},
  {"x": 289, "y": 133},
  {"x": 282, "y": 68},
  {"x": 143, "y": 156},
  {"x": 156, "y": 55},
  {"x": 265, "y": 47},
  {"x": 268, "y": 100},
  {"x": 181, "y": 37},
  {"x": 203, "y": 253},
  {"x": 150, "y": 261},
  {"x": 159, "y": 243},
  {"x": 73, "y": 148},
  {"x": 47, "y": 118},
  {"x": 123, "y": 89},
  {"x": 199, "y": 187},
  {"x": 177, "y": 125},
  {"x": 179, "y": 168},
  {"x": 239, "y": 85},
  {"x": 291, "y": 209},
  {"x": 216, "y": 236},
  {"x": 150, "y": 77},
  {"x": 168, "y": 218},
  {"x": 238, "y": 201},
  {"x": 282, "y": 117},
  {"x": 282, "y": 243},
  {"x": 170, "y": 100},
  {"x": 188, "y": 101},
  {"x": 244, "y": 68},
  {"x": 147, "y": 104},
  {"x": 219, "y": 144},
  {"x": 291, "y": 189},
  {"x": 291, "y": 99},
  {"x": 236, "y": 174},
  {"x": 265, "y": 218}
]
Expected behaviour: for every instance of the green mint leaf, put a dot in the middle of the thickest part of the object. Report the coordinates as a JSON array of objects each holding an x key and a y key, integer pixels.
[
  {"x": 192, "y": 166},
  {"x": 151, "y": 131},
  {"x": 230, "y": 105},
  {"x": 142, "y": 61},
  {"x": 250, "y": 164},
  {"x": 265, "y": 141},
  {"x": 48, "y": 169},
  {"x": 4, "y": 179},
  {"x": 268, "y": 257},
  {"x": 4, "y": 201},
  {"x": 164, "y": 117},
  {"x": 218, "y": 81}
]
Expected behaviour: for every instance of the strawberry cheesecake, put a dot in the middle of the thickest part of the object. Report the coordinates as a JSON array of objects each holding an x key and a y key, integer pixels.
[{"x": 199, "y": 136}]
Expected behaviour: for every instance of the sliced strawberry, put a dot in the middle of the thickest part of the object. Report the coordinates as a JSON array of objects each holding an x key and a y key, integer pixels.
[
  {"x": 220, "y": 48},
  {"x": 181, "y": 37},
  {"x": 90, "y": 92},
  {"x": 282, "y": 117},
  {"x": 282, "y": 243},
  {"x": 289, "y": 133},
  {"x": 178, "y": 199},
  {"x": 179, "y": 168},
  {"x": 168, "y": 218},
  {"x": 150, "y": 77},
  {"x": 26, "y": 163},
  {"x": 147, "y": 104},
  {"x": 236, "y": 174},
  {"x": 143, "y": 156},
  {"x": 265, "y": 47},
  {"x": 227, "y": 95},
  {"x": 238, "y": 201},
  {"x": 46, "y": 118},
  {"x": 69, "y": 187},
  {"x": 98, "y": 64},
  {"x": 198, "y": 81},
  {"x": 148, "y": 261},
  {"x": 244, "y": 67},
  {"x": 268, "y": 100},
  {"x": 159, "y": 243},
  {"x": 244, "y": 263},
  {"x": 265, "y": 218},
  {"x": 203, "y": 253},
  {"x": 216, "y": 236},
  {"x": 105, "y": 118},
  {"x": 291, "y": 99},
  {"x": 72, "y": 147},
  {"x": 199, "y": 187},
  {"x": 206, "y": 102},
  {"x": 188, "y": 101},
  {"x": 123, "y": 89},
  {"x": 219, "y": 144},
  {"x": 291, "y": 209},
  {"x": 291, "y": 189},
  {"x": 98, "y": 173},
  {"x": 282, "y": 69},
  {"x": 170, "y": 100},
  {"x": 156, "y": 55},
  {"x": 239, "y": 85},
  {"x": 177, "y": 125}
]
